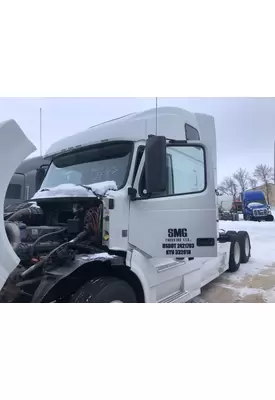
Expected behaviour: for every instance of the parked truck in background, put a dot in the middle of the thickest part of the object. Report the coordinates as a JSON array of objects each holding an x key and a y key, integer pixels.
[
  {"x": 255, "y": 206},
  {"x": 237, "y": 206},
  {"x": 25, "y": 182},
  {"x": 127, "y": 212},
  {"x": 228, "y": 207}
]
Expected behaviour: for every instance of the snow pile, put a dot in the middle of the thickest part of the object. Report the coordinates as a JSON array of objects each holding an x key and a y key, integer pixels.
[
  {"x": 98, "y": 257},
  {"x": 34, "y": 205},
  {"x": 71, "y": 190}
]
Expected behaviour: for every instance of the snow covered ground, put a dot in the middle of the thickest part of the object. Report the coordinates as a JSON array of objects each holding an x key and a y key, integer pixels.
[{"x": 255, "y": 281}]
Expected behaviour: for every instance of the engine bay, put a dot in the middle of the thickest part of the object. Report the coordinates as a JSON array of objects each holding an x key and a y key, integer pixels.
[{"x": 47, "y": 233}]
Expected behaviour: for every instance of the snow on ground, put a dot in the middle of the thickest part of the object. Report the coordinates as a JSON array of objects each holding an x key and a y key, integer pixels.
[{"x": 255, "y": 281}]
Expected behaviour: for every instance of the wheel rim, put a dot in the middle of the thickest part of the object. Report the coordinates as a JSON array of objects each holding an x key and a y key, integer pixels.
[
  {"x": 237, "y": 253},
  {"x": 116, "y": 301},
  {"x": 247, "y": 247}
]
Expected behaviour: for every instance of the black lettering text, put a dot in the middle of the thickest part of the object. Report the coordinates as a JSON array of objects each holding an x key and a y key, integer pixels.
[
  {"x": 177, "y": 233},
  {"x": 170, "y": 233}
]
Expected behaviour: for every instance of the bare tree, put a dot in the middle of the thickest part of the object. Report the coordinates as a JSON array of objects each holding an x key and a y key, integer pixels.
[
  {"x": 264, "y": 174},
  {"x": 252, "y": 182},
  {"x": 242, "y": 177},
  {"x": 228, "y": 186}
]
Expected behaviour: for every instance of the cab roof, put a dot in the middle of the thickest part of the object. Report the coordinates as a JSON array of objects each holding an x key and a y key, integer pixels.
[
  {"x": 31, "y": 164},
  {"x": 254, "y": 194},
  {"x": 171, "y": 122}
]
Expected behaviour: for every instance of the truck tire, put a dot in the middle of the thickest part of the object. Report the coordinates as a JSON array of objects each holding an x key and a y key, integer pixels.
[
  {"x": 245, "y": 246},
  {"x": 235, "y": 253},
  {"x": 270, "y": 218},
  {"x": 105, "y": 290}
]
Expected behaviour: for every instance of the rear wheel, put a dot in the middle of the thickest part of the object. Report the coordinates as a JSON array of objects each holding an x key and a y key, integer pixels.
[
  {"x": 245, "y": 246},
  {"x": 105, "y": 290},
  {"x": 235, "y": 253}
]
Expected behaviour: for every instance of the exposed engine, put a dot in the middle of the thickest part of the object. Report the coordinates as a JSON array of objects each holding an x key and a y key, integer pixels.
[{"x": 46, "y": 234}]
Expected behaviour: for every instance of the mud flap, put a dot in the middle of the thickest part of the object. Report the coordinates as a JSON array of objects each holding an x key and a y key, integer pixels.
[{"x": 14, "y": 148}]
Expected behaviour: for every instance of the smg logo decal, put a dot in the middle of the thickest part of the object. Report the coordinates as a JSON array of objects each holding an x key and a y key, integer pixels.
[
  {"x": 177, "y": 233},
  {"x": 178, "y": 243}
]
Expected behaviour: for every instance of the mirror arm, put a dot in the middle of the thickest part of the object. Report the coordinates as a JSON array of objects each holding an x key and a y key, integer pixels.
[{"x": 173, "y": 141}]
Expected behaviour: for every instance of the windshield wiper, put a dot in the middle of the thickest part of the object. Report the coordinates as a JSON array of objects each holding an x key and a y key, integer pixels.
[{"x": 90, "y": 190}]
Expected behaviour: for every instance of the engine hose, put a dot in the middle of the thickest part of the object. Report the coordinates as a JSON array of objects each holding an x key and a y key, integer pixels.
[
  {"x": 24, "y": 249},
  {"x": 20, "y": 215},
  {"x": 40, "y": 263},
  {"x": 81, "y": 236},
  {"x": 45, "y": 236},
  {"x": 26, "y": 214},
  {"x": 13, "y": 233}
]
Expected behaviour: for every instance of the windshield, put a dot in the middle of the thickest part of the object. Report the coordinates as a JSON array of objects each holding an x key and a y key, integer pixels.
[
  {"x": 108, "y": 162},
  {"x": 253, "y": 202}
]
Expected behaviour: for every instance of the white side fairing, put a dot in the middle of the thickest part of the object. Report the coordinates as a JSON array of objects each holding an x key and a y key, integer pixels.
[{"x": 14, "y": 148}]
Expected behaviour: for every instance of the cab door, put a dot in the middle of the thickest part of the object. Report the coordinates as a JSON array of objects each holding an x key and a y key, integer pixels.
[{"x": 180, "y": 222}]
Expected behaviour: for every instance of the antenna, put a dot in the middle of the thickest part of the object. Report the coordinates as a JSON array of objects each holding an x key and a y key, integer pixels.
[
  {"x": 156, "y": 116},
  {"x": 41, "y": 131}
]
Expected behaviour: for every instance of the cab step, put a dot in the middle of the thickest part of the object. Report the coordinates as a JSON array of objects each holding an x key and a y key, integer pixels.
[{"x": 177, "y": 297}]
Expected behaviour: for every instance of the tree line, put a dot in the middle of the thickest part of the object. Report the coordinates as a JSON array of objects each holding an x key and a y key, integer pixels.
[{"x": 241, "y": 180}]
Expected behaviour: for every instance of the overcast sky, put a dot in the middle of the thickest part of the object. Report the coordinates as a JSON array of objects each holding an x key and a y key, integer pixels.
[{"x": 245, "y": 126}]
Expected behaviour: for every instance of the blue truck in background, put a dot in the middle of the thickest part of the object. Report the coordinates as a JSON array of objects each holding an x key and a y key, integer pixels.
[{"x": 255, "y": 206}]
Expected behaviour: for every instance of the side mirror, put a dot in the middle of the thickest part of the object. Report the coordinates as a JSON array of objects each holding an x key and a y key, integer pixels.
[
  {"x": 39, "y": 177},
  {"x": 155, "y": 164}
]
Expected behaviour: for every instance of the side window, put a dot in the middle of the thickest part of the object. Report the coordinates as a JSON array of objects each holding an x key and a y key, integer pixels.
[
  {"x": 191, "y": 133},
  {"x": 186, "y": 172},
  {"x": 188, "y": 167},
  {"x": 14, "y": 191},
  {"x": 170, "y": 181}
]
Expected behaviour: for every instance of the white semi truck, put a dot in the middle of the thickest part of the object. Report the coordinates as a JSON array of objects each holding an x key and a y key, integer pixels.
[
  {"x": 127, "y": 212},
  {"x": 24, "y": 182}
]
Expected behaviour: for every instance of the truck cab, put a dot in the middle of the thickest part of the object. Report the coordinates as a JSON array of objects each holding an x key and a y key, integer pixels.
[
  {"x": 237, "y": 206},
  {"x": 16, "y": 191},
  {"x": 25, "y": 182},
  {"x": 129, "y": 210},
  {"x": 255, "y": 206}
]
